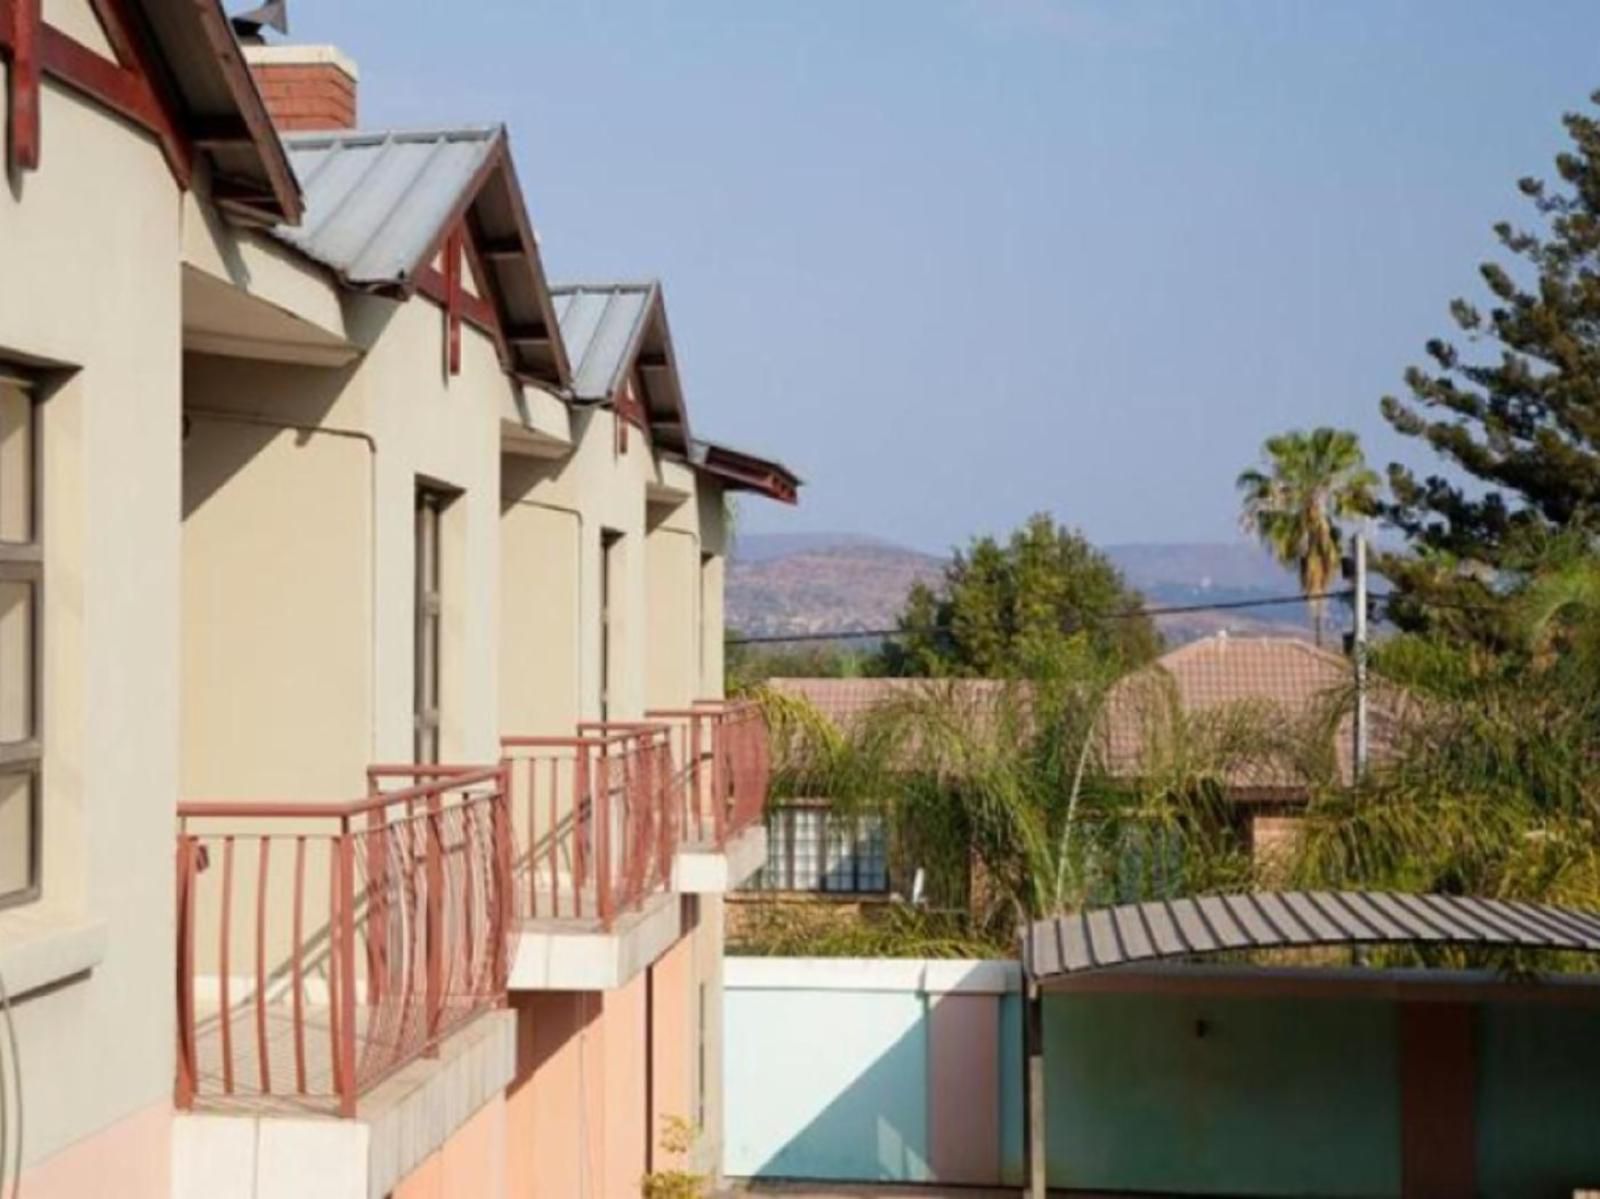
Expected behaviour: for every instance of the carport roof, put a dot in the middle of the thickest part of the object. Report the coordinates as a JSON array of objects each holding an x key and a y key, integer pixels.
[{"x": 1105, "y": 938}]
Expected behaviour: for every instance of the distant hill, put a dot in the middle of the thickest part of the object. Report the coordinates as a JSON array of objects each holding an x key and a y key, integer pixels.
[{"x": 818, "y": 582}]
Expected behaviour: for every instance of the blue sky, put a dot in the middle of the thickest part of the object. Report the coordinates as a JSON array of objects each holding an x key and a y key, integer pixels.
[{"x": 960, "y": 260}]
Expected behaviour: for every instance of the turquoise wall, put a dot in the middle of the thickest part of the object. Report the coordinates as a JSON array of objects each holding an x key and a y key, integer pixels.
[
  {"x": 826, "y": 1084},
  {"x": 1538, "y": 1101},
  {"x": 1281, "y": 1097}
]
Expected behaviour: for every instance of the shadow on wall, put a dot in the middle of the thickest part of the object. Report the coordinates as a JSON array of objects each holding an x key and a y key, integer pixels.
[
  {"x": 876, "y": 1081},
  {"x": 853, "y": 1109}
]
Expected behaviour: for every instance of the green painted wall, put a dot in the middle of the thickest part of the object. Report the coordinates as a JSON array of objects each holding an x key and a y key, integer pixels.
[
  {"x": 1538, "y": 1101},
  {"x": 1280, "y": 1097}
]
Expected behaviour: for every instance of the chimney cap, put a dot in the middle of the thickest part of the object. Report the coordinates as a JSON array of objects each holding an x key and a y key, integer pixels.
[
  {"x": 274, "y": 14},
  {"x": 301, "y": 56}
]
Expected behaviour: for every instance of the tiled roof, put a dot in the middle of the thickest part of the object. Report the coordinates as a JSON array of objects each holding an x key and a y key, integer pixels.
[
  {"x": 1288, "y": 683},
  {"x": 846, "y": 702},
  {"x": 1285, "y": 679}
]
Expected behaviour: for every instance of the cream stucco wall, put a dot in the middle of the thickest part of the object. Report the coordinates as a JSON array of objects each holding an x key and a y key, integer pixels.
[
  {"x": 299, "y": 557},
  {"x": 666, "y": 648},
  {"x": 93, "y": 286}
]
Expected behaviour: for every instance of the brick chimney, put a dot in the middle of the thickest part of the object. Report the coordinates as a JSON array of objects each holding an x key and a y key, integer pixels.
[{"x": 305, "y": 87}]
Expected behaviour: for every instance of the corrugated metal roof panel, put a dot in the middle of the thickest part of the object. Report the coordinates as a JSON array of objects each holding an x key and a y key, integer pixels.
[
  {"x": 1104, "y": 938},
  {"x": 601, "y": 325},
  {"x": 376, "y": 202}
]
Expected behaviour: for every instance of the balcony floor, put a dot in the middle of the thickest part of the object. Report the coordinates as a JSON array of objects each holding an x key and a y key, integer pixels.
[{"x": 287, "y": 1090}]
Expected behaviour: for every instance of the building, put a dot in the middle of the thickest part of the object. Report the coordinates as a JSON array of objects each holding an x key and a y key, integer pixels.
[
  {"x": 334, "y": 536},
  {"x": 1297, "y": 695}
]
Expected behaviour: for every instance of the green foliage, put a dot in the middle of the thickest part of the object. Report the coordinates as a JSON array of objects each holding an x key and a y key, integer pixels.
[
  {"x": 1520, "y": 420},
  {"x": 1491, "y": 786},
  {"x": 1003, "y": 609},
  {"x": 749, "y": 665},
  {"x": 678, "y": 1137},
  {"x": 1311, "y": 483},
  {"x": 1012, "y": 798},
  {"x": 776, "y": 928}
]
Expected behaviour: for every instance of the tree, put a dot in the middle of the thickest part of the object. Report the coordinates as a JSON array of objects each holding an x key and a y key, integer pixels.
[
  {"x": 1312, "y": 482},
  {"x": 1004, "y": 610},
  {"x": 1521, "y": 421}
]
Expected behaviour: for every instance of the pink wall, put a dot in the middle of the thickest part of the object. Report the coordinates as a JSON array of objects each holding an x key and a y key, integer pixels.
[
  {"x": 136, "y": 1151},
  {"x": 576, "y": 1111},
  {"x": 625, "y": 1044},
  {"x": 472, "y": 1162},
  {"x": 673, "y": 1049},
  {"x": 964, "y": 1080}
]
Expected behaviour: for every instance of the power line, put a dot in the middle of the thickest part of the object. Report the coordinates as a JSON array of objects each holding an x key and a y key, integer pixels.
[
  {"x": 1273, "y": 601},
  {"x": 1127, "y": 614}
]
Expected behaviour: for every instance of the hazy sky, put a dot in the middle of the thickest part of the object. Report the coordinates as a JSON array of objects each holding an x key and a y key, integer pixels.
[{"x": 959, "y": 260}]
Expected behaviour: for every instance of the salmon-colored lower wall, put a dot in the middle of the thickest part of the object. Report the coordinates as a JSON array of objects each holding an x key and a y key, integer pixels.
[
  {"x": 576, "y": 1111},
  {"x": 963, "y": 1079},
  {"x": 136, "y": 1152},
  {"x": 472, "y": 1162},
  {"x": 673, "y": 1052}
]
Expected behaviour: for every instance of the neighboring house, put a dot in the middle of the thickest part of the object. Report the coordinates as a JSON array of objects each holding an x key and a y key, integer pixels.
[
  {"x": 1296, "y": 694},
  {"x": 1289, "y": 690},
  {"x": 330, "y": 529}
]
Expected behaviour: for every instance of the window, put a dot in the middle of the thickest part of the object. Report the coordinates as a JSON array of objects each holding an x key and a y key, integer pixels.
[
  {"x": 610, "y": 549},
  {"x": 21, "y": 585},
  {"x": 808, "y": 850},
  {"x": 429, "y": 603}
]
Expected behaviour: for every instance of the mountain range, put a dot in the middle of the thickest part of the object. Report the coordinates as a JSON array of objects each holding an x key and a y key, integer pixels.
[{"x": 787, "y": 584}]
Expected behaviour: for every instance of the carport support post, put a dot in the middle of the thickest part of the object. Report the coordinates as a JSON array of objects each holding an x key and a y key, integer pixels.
[{"x": 1033, "y": 1038}]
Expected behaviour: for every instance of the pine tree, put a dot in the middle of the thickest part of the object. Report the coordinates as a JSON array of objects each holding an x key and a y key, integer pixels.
[{"x": 1522, "y": 420}]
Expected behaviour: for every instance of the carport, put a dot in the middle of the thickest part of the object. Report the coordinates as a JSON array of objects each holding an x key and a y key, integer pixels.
[{"x": 1415, "y": 1082}]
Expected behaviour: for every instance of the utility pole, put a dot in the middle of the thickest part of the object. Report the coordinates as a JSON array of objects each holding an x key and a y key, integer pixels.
[{"x": 1359, "y": 655}]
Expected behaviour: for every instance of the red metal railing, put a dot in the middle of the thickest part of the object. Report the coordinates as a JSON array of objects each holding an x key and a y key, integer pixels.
[
  {"x": 595, "y": 820},
  {"x": 728, "y": 766},
  {"x": 321, "y": 947}
]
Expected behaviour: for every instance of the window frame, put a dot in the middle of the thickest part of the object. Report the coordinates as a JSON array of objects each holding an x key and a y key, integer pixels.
[
  {"x": 24, "y": 561},
  {"x": 428, "y": 646}
]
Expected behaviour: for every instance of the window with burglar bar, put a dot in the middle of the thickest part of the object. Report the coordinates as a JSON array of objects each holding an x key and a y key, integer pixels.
[
  {"x": 21, "y": 588},
  {"x": 808, "y": 849}
]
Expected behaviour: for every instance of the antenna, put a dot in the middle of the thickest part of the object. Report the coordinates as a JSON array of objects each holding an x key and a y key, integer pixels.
[{"x": 274, "y": 15}]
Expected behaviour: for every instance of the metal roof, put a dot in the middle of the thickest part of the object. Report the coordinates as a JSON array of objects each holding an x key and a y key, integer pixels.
[
  {"x": 745, "y": 471},
  {"x": 378, "y": 205},
  {"x": 603, "y": 326},
  {"x": 375, "y": 203},
  {"x": 1104, "y": 938}
]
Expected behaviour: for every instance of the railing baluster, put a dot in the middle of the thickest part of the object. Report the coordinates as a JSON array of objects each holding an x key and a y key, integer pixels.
[
  {"x": 297, "y": 967},
  {"x": 224, "y": 933},
  {"x": 264, "y": 1069},
  {"x": 346, "y": 934}
]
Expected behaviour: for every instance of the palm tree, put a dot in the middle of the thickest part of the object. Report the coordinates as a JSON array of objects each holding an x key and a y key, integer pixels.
[
  {"x": 1009, "y": 797},
  {"x": 1312, "y": 482}
]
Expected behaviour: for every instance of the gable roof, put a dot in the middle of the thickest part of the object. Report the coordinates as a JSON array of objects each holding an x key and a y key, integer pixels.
[
  {"x": 379, "y": 205},
  {"x": 1287, "y": 676},
  {"x": 612, "y": 329},
  {"x": 174, "y": 70}
]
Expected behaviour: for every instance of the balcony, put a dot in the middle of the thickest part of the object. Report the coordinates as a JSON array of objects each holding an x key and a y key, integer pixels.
[
  {"x": 728, "y": 768},
  {"x": 613, "y": 823},
  {"x": 323, "y": 947}
]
